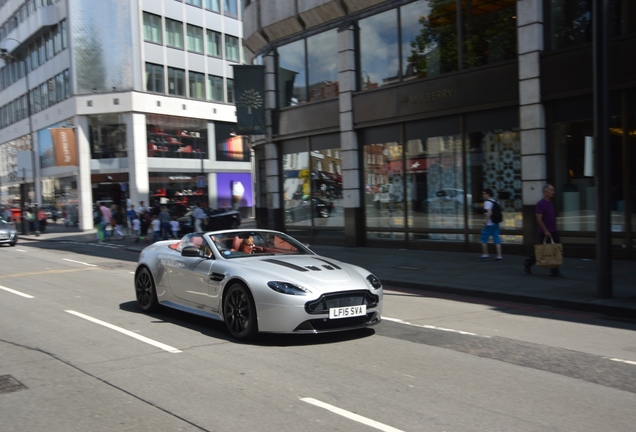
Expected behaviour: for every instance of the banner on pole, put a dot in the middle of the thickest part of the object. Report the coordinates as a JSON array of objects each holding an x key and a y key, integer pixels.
[
  {"x": 64, "y": 146},
  {"x": 249, "y": 88}
]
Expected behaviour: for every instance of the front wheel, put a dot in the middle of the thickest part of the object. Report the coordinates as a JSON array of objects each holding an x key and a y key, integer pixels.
[
  {"x": 239, "y": 312},
  {"x": 145, "y": 291}
]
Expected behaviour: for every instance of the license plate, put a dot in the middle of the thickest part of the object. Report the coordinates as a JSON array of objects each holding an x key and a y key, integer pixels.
[
  {"x": 347, "y": 312},
  {"x": 4, "y": 236}
]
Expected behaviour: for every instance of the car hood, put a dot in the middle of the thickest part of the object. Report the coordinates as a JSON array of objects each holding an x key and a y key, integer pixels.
[{"x": 313, "y": 271}]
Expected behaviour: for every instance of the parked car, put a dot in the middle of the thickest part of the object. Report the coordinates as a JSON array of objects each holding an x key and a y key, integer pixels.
[
  {"x": 280, "y": 286},
  {"x": 303, "y": 209},
  {"x": 217, "y": 219},
  {"x": 8, "y": 234}
]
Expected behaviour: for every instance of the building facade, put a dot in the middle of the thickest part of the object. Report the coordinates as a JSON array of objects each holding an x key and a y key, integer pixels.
[
  {"x": 395, "y": 115},
  {"x": 145, "y": 87}
]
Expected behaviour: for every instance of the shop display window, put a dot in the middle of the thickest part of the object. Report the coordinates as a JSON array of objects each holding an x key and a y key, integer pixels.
[
  {"x": 178, "y": 190},
  {"x": 175, "y": 137}
]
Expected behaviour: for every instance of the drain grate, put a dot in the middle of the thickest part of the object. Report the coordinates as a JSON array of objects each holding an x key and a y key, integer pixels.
[{"x": 9, "y": 384}]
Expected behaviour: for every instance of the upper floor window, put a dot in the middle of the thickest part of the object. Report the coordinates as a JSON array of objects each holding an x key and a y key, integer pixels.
[
  {"x": 212, "y": 5},
  {"x": 196, "y": 85},
  {"x": 176, "y": 82},
  {"x": 215, "y": 88},
  {"x": 213, "y": 40},
  {"x": 154, "y": 78},
  {"x": 230, "y": 8},
  {"x": 292, "y": 74},
  {"x": 195, "y": 38},
  {"x": 152, "y": 28},
  {"x": 194, "y": 2},
  {"x": 231, "y": 48},
  {"x": 174, "y": 33}
]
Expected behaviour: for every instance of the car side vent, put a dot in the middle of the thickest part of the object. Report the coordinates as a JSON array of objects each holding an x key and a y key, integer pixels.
[
  {"x": 329, "y": 263},
  {"x": 328, "y": 267},
  {"x": 314, "y": 268},
  {"x": 286, "y": 264}
]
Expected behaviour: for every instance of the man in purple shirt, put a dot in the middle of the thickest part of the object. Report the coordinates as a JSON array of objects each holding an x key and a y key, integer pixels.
[{"x": 546, "y": 225}]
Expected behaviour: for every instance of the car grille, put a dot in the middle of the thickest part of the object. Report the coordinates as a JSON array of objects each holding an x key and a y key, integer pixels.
[
  {"x": 325, "y": 325},
  {"x": 341, "y": 299}
]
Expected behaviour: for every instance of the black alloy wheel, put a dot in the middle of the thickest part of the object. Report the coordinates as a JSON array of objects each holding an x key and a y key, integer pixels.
[
  {"x": 145, "y": 291},
  {"x": 239, "y": 312}
]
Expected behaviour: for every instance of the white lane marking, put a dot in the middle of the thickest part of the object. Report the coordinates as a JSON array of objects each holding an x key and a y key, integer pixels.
[
  {"x": 350, "y": 415},
  {"x": 12, "y": 291},
  {"x": 430, "y": 327},
  {"x": 80, "y": 262},
  {"x": 126, "y": 332},
  {"x": 623, "y": 361},
  {"x": 21, "y": 250}
]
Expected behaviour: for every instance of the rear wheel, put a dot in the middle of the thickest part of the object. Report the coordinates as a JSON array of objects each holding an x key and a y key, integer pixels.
[
  {"x": 239, "y": 312},
  {"x": 145, "y": 291}
]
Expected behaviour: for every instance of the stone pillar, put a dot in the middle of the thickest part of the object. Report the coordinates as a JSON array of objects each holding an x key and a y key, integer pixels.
[
  {"x": 267, "y": 165},
  {"x": 353, "y": 217},
  {"x": 531, "y": 111}
]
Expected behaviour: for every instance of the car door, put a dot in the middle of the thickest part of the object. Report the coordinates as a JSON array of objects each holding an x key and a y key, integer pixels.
[{"x": 189, "y": 276}]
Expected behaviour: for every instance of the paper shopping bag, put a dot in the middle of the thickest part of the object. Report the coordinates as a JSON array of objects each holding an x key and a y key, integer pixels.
[{"x": 549, "y": 255}]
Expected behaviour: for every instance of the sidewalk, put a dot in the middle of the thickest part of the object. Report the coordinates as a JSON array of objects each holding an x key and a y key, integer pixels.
[{"x": 460, "y": 273}]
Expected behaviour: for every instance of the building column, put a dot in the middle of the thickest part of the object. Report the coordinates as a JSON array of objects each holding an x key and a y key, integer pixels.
[
  {"x": 137, "y": 144},
  {"x": 531, "y": 112},
  {"x": 267, "y": 166},
  {"x": 353, "y": 213},
  {"x": 84, "y": 183}
]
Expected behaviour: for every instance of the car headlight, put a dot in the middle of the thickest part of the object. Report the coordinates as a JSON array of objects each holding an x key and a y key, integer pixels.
[
  {"x": 287, "y": 288},
  {"x": 374, "y": 282}
]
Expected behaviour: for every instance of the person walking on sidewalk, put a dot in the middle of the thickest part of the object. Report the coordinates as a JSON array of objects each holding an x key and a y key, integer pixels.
[
  {"x": 131, "y": 215},
  {"x": 165, "y": 217},
  {"x": 545, "y": 213},
  {"x": 490, "y": 229}
]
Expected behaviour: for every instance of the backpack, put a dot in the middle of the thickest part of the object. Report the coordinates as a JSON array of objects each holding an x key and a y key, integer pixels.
[
  {"x": 97, "y": 218},
  {"x": 495, "y": 217}
]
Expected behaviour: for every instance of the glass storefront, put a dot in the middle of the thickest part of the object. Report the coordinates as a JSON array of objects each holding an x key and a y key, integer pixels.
[
  {"x": 312, "y": 182},
  {"x": 429, "y": 185},
  {"x": 179, "y": 190}
]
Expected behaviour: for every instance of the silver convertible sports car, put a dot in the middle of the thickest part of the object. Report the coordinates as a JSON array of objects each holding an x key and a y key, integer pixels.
[{"x": 257, "y": 281}]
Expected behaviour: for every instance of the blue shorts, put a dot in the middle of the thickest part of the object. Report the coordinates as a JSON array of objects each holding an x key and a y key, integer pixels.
[{"x": 490, "y": 231}]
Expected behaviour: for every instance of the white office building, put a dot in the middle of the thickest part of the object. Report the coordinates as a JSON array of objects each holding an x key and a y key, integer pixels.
[{"x": 122, "y": 101}]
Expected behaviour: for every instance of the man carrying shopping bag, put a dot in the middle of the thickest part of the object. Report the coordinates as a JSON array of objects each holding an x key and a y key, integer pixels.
[{"x": 547, "y": 227}]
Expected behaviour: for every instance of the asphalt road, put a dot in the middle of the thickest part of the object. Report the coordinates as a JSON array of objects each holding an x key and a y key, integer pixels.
[{"x": 77, "y": 355}]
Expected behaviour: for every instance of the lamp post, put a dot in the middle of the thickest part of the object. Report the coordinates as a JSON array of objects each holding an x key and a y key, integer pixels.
[{"x": 4, "y": 55}]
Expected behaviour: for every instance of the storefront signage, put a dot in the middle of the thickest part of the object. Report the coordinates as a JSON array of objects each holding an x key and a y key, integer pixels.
[
  {"x": 249, "y": 87},
  {"x": 427, "y": 97},
  {"x": 64, "y": 146},
  {"x": 187, "y": 178}
]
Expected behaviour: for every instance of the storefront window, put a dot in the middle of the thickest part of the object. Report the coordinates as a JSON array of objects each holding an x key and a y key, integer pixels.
[
  {"x": 379, "y": 52},
  {"x": 576, "y": 193},
  {"x": 178, "y": 190},
  {"x": 312, "y": 185},
  {"x": 230, "y": 147},
  {"x": 494, "y": 162},
  {"x": 176, "y": 137},
  {"x": 292, "y": 76},
  {"x": 322, "y": 50},
  {"x": 297, "y": 188},
  {"x": 384, "y": 176},
  {"x": 107, "y": 136}
]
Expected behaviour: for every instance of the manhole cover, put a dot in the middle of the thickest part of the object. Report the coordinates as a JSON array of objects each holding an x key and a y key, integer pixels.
[{"x": 9, "y": 384}]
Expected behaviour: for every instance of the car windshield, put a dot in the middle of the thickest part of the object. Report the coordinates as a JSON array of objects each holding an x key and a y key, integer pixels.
[{"x": 240, "y": 244}]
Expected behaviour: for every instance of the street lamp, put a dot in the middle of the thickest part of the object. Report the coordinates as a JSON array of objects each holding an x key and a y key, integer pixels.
[{"x": 4, "y": 55}]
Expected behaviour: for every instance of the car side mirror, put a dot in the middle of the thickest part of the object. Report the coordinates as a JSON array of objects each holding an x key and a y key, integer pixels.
[{"x": 190, "y": 251}]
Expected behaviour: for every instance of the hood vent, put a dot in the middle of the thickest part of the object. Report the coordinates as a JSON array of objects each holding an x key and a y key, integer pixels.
[
  {"x": 286, "y": 264},
  {"x": 329, "y": 263}
]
